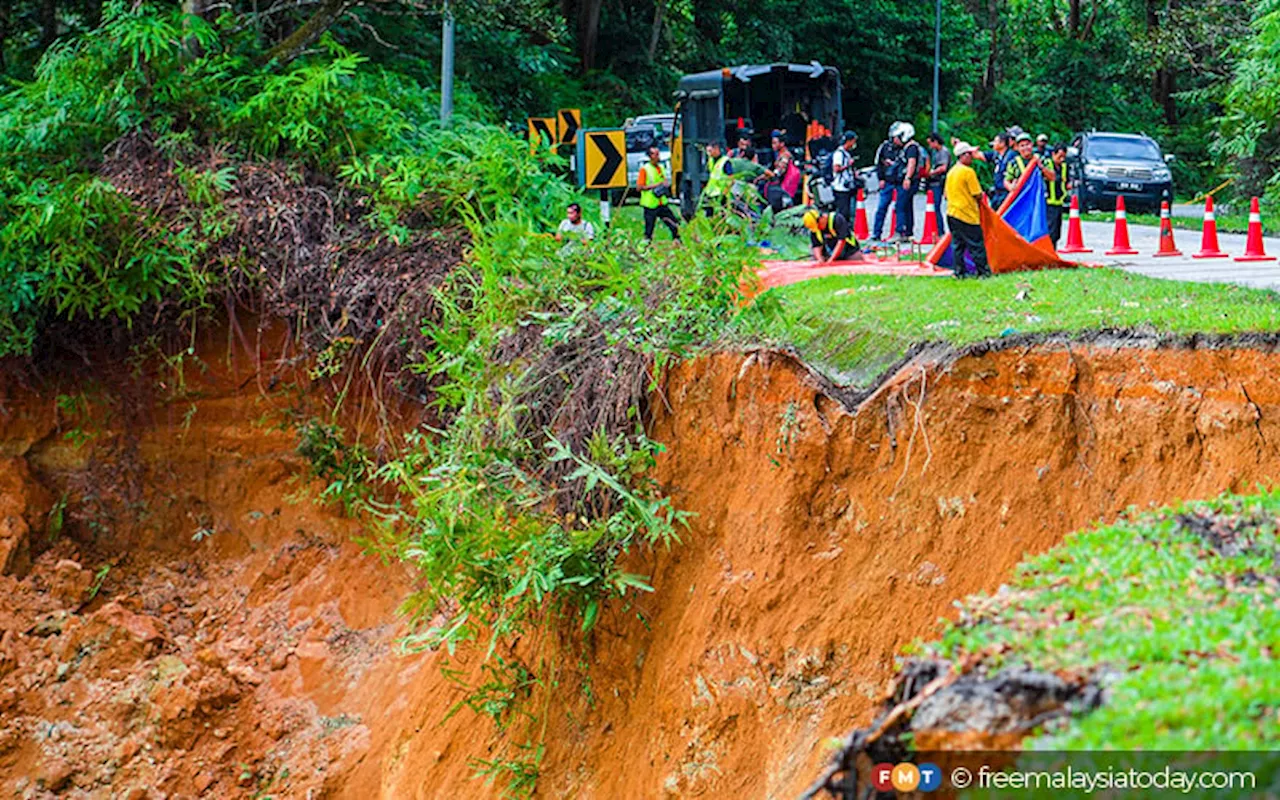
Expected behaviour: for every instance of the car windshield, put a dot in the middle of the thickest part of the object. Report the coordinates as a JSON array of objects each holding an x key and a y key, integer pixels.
[
  {"x": 1125, "y": 149},
  {"x": 639, "y": 140}
]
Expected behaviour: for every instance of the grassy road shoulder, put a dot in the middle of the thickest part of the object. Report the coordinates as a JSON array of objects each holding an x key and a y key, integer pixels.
[{"x": 855, "y": 327}]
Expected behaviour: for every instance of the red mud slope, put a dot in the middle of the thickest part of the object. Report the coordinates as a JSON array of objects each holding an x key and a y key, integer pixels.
[{"x": 825, "y": 539}]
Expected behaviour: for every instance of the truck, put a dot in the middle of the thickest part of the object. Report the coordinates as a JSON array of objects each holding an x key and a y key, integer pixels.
[{"x": 714, "y": 105}]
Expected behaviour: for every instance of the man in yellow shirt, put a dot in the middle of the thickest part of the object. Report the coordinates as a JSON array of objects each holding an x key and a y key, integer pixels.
[{"x": 964, "y": 193}]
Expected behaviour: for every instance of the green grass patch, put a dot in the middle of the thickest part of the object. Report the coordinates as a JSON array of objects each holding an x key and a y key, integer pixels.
[
  {"x": 1177, "y": 609},
  {"x": 854, "y": 327},
  {"x": 1227, "y": 223}
]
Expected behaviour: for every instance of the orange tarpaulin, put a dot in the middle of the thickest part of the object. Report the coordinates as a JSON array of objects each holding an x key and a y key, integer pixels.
[
  {"x": 782, "y": 273},
  {"x": 1007, "y": 250}
]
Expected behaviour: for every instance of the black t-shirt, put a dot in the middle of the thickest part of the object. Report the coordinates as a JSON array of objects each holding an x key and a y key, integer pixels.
[
  {"x": 910, "y": 151},
  {"x": 842, "y": 231}
]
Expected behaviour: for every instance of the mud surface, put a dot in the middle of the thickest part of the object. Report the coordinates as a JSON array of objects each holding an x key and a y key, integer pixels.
[{"x": 240, "y": 635}]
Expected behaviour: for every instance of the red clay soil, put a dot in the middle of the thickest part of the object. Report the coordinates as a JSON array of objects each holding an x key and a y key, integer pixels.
[{"x": 825, "y": 540}]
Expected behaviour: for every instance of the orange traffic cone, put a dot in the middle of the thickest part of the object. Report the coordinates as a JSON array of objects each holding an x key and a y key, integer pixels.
[
  {"x": 861, "y": 231},
  {"x": 1167, "y": 248},
  {"x": 1121, "y": 246},
  {"x": 893, "y": 215},
  {"x": 1075, "y": 236},
  {"x": 1209, "y": 235},
  {"x": 930, "y": 235},
  {"x": 1253, "y": 250}
]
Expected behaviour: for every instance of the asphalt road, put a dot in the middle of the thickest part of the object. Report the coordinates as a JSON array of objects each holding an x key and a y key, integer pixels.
[{"x": 1146, "y": 240}]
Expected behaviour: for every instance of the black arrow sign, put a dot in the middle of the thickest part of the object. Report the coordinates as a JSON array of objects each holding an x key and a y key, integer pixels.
[
  {"x": 568, "y": 126},
  {"x": 541, "y": 128},
  {"x": 612, "y": 159}
]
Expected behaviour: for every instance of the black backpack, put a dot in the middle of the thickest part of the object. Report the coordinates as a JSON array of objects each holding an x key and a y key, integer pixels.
[{"x": 823, "y": 150}]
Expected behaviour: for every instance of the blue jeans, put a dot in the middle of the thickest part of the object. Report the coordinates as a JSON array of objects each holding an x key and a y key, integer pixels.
[
  {"x": 882, "y": 209},
  {"x": 906, "y": 211}
]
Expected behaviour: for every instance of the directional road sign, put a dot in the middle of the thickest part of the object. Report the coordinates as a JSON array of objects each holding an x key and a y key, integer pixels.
[
  {"x": 541, "y": 129},
  {"x": 568, "y": 121},
  {"x": 602, "y": 158}
]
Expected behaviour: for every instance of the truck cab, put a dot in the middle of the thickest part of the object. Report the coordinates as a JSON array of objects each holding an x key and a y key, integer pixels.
[{"x": 712, "y": 106}]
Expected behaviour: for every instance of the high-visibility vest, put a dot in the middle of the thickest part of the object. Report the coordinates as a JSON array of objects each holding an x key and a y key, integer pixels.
[
  {"x": 1018, "y": 166},
  {"x": 718, "y": 181},
  {"x": 652, "y": 177},
  {"x": 1057, "y": 188},
  {"x": 851, "y": 241}
]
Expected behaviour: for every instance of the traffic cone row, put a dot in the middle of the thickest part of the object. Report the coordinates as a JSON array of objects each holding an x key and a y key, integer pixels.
[
  {"x": 1254, "y": 249},
  {"x": 861, "y": 230},
  {"x": 930, "y": 235}
]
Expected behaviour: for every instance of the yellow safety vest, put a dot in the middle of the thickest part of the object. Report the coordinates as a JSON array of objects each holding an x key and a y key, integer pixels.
[
  {"x": 1015, "y": 168},
  {"x": 652, "y": 177},
  {"x": 718, "y": 181},
  {"x": 850, "y": 240},
  {"x": 1057, "y": 188}
]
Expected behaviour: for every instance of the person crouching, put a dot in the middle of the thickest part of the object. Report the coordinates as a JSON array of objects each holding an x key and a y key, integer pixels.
[{"x": 831, "y": 237}]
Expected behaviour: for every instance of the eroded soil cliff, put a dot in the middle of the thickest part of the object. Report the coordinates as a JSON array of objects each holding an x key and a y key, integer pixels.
[{"x": 241, "y": 643}]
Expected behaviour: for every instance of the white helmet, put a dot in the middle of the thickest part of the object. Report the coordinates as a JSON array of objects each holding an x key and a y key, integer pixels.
[
  {"x": 907, "y": 131},
  {"x": 893, "y": 129}
]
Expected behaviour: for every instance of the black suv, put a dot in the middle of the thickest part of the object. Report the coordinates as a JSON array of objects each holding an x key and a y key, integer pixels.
[{"x": 1106, "y": 165}]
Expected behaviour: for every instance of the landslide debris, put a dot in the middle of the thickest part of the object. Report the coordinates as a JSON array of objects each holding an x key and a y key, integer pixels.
[{"x": 291, "y": 244}]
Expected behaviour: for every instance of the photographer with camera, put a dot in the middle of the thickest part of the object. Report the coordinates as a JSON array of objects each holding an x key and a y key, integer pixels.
[{"x": 655, "y": 193}]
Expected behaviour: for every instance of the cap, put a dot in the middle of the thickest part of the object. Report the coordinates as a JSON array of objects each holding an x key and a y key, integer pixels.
[
  {"x": 849, "y": 136},
  {"x": 1044, "y": 137},
  {"x": 1015, "y": 130},
  {"x": 778, "y": 133},
  {"x": 1024, "y": 137},
  {"x": 964, "y": 147},
  {"x": 811, "y": 220},
  {"x": 744, "y": 133}
]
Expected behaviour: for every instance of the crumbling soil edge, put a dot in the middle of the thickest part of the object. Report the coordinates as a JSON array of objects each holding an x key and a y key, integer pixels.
[{"x": 934, "y": 354}]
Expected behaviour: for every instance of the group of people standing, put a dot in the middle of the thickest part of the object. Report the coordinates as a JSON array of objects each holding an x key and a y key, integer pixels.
[{"x": 904, "y": 168}]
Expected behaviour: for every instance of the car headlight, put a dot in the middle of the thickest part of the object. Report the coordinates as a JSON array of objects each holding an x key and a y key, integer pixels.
[
  {"x": 1092, "y": 171},
  {"x": 1161, "y": 173}
]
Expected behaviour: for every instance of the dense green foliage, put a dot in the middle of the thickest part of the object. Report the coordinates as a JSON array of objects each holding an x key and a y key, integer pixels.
[
  {"x": 1195, "y": 75},
  {"x": 1174, "y": 610},
  {"x": 511, "y": 517},
  {"x": 1251, "y": 122},
  {"x": 74, "y": 248},
  {"x": 857, "y": 326}
]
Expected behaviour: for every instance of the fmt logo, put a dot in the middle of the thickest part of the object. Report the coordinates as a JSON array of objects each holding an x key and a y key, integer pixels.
[{"x": 906, "y": 777}]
